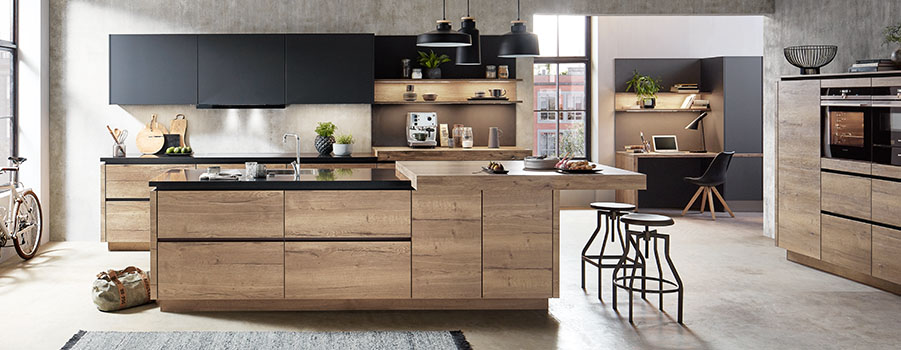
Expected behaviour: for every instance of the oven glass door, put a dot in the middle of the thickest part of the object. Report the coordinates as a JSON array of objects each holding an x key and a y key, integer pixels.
[
  {"x": 887, "y": 132},
  {"x": 847, "y": 132}
]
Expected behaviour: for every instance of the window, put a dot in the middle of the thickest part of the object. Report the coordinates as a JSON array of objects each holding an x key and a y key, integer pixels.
[
  {"x": 562, "y": 86},
  {"x": 8, "y": 80}
]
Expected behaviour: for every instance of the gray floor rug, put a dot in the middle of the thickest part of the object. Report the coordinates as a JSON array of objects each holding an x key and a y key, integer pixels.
[{"x": 450, "y": 340}]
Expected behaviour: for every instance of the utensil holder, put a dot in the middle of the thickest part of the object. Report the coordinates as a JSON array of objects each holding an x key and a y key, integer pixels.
[{"x": 118, "y": 150}]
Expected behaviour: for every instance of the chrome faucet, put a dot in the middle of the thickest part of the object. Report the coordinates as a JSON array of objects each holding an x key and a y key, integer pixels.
[{"x": 296, "y": 163}]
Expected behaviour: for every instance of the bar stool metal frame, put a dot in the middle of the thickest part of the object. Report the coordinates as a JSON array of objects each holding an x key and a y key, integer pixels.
[
  {"x": 611, "y": 218},
  {"x": 627, "y": 282}
]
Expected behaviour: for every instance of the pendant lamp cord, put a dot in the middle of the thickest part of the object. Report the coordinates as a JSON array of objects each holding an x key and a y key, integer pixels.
[
  {"x": 517, "y": 11},
  {"x": 444, "y": 10},
  {"x": 467, "y": 8}
]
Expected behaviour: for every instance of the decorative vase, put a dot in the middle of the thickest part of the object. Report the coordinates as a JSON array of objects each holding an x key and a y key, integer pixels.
[
  {"x": 434, "y": 73},
  {"x": 324, "y": 144},
  {"x": 648, "y": 102},
  {"x": 342, "y": 149},
  {"x": 896, "y": 57}
]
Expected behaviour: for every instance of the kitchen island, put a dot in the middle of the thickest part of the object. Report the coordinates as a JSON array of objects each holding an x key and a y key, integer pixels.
[{"x": 428, "y": 235}]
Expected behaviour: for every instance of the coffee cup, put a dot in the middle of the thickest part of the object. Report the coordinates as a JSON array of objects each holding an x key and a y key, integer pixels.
[
  {"x": 480, "y": 93},
  {"x": 497, "y": 93}
]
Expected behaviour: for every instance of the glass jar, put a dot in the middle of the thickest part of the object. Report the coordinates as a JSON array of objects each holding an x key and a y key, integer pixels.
[
  {"x": 407, "y": 69},
  {"x": 503, "y": 72},
  {"x": 467, "y": 137},
  {"x": 458, "y": 135},
  {"x": 490, "y": 72},
  {"x": 417, "y": 73}
]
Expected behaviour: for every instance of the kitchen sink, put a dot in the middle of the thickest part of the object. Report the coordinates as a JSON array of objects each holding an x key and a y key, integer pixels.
[{"x": 290, "y": 171}]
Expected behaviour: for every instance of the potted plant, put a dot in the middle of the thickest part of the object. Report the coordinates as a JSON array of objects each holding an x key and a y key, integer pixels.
[
  {"x": 431, "y": 61},
  {"x": 892, "y": 36},
  {"x": 646, "y": 88},
  {"x": 325, "y": 138},
  {"x": 343, "y": 145}
]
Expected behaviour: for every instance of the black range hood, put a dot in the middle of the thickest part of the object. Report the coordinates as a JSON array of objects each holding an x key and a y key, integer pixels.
[{"x": 211, "y": 106}]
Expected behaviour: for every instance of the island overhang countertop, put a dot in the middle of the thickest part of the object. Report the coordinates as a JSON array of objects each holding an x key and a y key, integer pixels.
[{"x": 310, "y": 179}]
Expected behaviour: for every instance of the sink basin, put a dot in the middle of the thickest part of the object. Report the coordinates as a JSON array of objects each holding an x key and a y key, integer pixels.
[{"x": 289, "y": 171}]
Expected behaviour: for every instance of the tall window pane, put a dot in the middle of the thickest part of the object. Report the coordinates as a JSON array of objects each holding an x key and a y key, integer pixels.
[
  {"x": 572, "y": 35},
  {"x": 7, "y": 79},
  {"x": 546, "y": 29}
]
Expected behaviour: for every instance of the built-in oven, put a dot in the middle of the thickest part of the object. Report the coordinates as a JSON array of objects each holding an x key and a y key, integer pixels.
[
  {"x": 886, "y": 109},
  {"x": 847, "y": 117}
]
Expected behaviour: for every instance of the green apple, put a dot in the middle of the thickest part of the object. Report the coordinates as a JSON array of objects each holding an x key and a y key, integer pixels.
[
  {"x": 188, "y": 149},
  {"x": 170, "y": 150}
]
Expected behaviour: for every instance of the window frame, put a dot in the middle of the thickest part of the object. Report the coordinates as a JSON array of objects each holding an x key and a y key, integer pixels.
[
  {"x": 586, "y": 60},
  {"x": 13, "y": 48}
]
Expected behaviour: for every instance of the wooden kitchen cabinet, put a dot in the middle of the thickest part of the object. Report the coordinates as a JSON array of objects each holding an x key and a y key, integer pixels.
[
  {"x": 221, "y": 214},
  {"x": 347, "y": 270},
  {"x": 129, "y": 181},
  {"x": 798, "y": 167},
  {"x": 846, "y": 195},
  {"x": 886, "y": 253},
  {"x": 517, "y": 244},
  {"x": 846, "y": 243},
  {"x": 886, "y": 198},
  {"x": 128, "y": 222},
  {"x": 347, "y": 214},
  {"x": 221, "y": 270}
]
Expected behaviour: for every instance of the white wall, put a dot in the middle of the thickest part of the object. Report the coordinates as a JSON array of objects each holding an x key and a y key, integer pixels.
[{"x": 659, "y": 37}]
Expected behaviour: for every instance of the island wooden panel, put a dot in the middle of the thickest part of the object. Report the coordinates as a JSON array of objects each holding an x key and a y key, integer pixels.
[
  {"x": 469, "y": 175},
  {"x": 447, "y": 244},
  {"x": 347, "y": 214},
  {"x": 846, "y": 195},
  {"x": 221, "y": 270},
  {"x": 154, "y": 272},
  {"x": 347, "y": 270},
  {"x": 517, "y": 244},
  {"x": 128, "y": 221},
  {"x": 130, "y": 180},
  {"x": 846, "y": 243},
  {"x": 886, "y": 199},
  {"x": 221, "y": 214},
  {"x": 886, "y": 253},
  {"x": 351, "y": 304},
  {"x": 798, "y": 167},
  {"x": 442, "y": 153}
]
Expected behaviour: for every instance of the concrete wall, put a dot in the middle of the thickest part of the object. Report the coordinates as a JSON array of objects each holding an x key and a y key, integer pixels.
[
  {"x": 79, "y": 91},
  {"x": 854, "y": 26}
]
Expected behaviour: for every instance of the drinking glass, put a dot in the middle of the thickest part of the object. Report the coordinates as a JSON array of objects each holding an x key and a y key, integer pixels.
[{"x": 467, "y": 137}]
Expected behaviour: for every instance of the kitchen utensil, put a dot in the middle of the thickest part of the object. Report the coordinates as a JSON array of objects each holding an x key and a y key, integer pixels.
[
  {"x": 180, "y": 127},
  {"x": 467, "y": 137},
  {"x": 494, "y": 137},
  {"x": 540, "y": 163},
  {"x": 113, "y": 134},
  {"x": 810, "y": 58},
  {"x": 430, "y": 97},
  {"x": 122, "y": 135},
  {"x": 150, "y": 139},
  {"x": 497, "y": 93}
]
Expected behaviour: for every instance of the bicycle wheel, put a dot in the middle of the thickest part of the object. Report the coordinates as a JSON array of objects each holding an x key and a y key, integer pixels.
[{"x": 28, "y": 225}]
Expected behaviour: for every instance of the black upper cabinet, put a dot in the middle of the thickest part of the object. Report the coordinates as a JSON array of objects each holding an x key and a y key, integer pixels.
[
  {"x": 152, "y": 69},
  {"x": 241, "y": 70},
  {"x": 330, "y": 68}
]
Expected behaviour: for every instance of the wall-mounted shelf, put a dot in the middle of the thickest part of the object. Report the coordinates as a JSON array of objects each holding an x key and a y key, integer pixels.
[
  {"x": 482, "y": 102},
  {"x": 663, "y": 110},
  {"x": 444, "y": 81}
]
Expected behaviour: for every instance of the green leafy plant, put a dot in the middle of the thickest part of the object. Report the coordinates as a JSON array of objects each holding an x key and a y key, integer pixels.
[
  {"x": 643, "y": 85},
  {"x": 892, "y": 34},
  {"x": 325, "y": 175},
  {"x": 347, "y": 139},
  {"x": 325, "y": 129},
  {"x": 432, "y": 60}
]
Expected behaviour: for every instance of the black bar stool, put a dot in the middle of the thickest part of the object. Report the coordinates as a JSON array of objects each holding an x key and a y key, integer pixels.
[
  {"x": 611, "y": 213},
  {"x": 627, "y": 282}
]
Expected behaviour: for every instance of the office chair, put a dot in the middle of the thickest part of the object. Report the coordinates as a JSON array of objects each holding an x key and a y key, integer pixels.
[{"x": 714, "y": 176}]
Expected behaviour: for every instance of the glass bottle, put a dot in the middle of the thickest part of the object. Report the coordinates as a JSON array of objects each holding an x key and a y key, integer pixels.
[{"x": 467, "y": 137}]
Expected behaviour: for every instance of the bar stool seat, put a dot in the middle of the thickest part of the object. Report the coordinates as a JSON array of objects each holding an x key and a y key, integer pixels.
[
  {"x": 608, "y": 206},
  {"x": 641, "y": 219}
]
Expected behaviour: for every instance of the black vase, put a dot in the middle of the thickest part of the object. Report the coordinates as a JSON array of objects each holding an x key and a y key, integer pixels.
[
  {"x": 434, "y": 73},
  {"x": 324, "y": 144},
  {"x": 648, "y": 103}
]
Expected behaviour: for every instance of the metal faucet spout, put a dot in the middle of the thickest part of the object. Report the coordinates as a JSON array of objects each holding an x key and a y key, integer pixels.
[{"x": 296, "y": 163}]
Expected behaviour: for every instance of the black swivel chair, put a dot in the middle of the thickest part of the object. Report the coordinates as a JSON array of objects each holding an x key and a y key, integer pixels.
[{"x": 714, "y": 176}]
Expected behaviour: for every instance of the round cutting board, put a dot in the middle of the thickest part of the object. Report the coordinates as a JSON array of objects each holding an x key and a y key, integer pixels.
[{"x": 150, "y": 139}]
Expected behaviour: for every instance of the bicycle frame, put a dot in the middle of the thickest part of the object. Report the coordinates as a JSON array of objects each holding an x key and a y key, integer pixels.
[{"x": 11, "y": 210}]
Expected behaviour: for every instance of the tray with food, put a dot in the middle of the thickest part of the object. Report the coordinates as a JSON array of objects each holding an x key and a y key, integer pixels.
[
  {"x": 570, "y": 166},
  {"x": 495, "y": 168}
]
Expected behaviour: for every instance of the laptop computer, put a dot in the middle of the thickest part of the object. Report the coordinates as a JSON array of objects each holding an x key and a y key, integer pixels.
[{"x": 665, "y": 143}]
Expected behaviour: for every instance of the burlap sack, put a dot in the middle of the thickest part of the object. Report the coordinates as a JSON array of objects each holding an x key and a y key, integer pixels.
[{"x": 116, "y": 290}]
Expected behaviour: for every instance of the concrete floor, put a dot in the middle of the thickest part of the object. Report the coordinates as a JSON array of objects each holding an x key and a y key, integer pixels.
[{"x": 741, "y": 293}]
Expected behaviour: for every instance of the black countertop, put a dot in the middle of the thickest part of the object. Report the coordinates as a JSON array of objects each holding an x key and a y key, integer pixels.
[
  {"x": 310, "y": 179},
  {"x": 888, "y": 73},
  {"x": 238, "y": 158}
]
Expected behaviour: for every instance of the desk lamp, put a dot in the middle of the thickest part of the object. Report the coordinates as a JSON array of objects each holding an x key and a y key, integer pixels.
[{"x": 694, "y": 125}]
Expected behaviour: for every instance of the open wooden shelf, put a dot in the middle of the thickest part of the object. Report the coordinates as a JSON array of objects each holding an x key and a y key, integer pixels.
[
  {"x": 664, "y": 110},
  {"x": 481, "y": 102},
  {"x": 443, "y": 81}
]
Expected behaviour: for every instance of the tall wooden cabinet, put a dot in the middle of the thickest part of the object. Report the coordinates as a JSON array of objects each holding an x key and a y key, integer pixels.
[{"x": 798, "y": 167}]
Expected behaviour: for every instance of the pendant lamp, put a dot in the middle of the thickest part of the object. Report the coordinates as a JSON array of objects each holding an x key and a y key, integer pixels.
[
  {"x": 443, "y": 35},
  {"x": 469, "y": 55},
  {"x": 518, "y": 42}
]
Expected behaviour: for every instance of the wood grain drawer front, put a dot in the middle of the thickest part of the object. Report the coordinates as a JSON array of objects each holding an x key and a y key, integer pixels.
[
  {"x": 347, "y": 214},
  {"x": 347, "y": 270},
  {"x": 338, "y": 165},
  {"x": 887, "y": 254},
  {"x": 128, "y": 221},
  {"x": 889, "y": 171},
  {"x": 887, "y": 82},
  {"x": 131, "y": 181},
  {"x": 221, "y": 214},
  {"x": 849, "y": 166},
  {"x": 847, "y": 82},
  {"x": 846, "y": 243},
  {"x": 798, "y": 167},
  {"x": 846, "y": 195},
  {"x": 230, "y": 270},
  {"x": 517, "y": 244},
  {"x": 887, "y": 202}
]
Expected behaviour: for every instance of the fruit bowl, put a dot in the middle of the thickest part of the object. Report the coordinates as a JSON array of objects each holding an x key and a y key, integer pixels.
[
  {"x": 179, "y": 154},
  {"x": 810, "y": 58}
]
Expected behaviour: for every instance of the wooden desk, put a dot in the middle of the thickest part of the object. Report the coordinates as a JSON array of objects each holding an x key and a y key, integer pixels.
[
  {"x": 629, "y": 161},
  {"x": 444, "y": 153}
]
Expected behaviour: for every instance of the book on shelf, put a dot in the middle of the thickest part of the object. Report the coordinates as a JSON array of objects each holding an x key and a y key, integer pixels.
[
  {"x": 686, "y": 104},
  {"x": 872, "y": 65},
  {"x": 685, "y": 88}
]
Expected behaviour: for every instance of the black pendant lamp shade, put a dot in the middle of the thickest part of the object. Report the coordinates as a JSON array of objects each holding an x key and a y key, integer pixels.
[
  {"x": 469, "y": 55},
  {"x": 518, "y": 42},
  {"x": 443, "y": 35}
]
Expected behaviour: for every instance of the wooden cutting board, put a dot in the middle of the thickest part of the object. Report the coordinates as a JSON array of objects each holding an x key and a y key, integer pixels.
[
  {"x": 179, "y": 126},
  {"x": 150, "y": 139}
]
